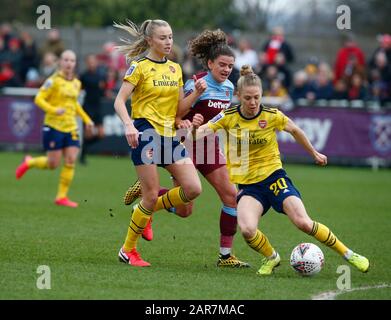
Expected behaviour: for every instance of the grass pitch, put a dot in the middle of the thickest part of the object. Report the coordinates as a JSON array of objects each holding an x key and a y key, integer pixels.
[{"x": 80, "y": 245}]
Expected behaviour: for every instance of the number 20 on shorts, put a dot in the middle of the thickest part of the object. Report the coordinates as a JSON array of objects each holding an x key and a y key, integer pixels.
[{"x": 277, "y": 186}]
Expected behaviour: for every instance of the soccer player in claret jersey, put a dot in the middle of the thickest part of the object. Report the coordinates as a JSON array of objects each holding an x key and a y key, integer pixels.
[
  {"x": 156, "y": 87},
  {"x": 58, "y": 98},
  {"x": 218, "y": 58},
  {"x": 262, "y": 181}
]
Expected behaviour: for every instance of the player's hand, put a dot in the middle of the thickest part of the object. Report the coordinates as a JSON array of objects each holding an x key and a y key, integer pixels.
[
  {"x": 184, "y": 124},
  {"x": 320, "y": 158},
  {"x": 199, "y": 85},
  {"x": 131, "y": 134},
  {"x": 90, "y": 125},
  {"x": 198, "y": 120},
  {"x": 60, "y": 111}
]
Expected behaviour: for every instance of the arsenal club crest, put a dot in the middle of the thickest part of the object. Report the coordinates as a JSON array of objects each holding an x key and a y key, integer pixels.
[
  {"x": 262, "y": 124},
  {"x": 172, "y": 69}
]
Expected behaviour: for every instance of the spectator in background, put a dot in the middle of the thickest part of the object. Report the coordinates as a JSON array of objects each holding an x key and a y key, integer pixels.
[
  {"x": 357, "y": 89},
  {"x": 6, "y": 34},
  {"x": 275, "y": 45},
  {"x": 382, "y": 66},
  {"x": 277, "y": 90},
  {"x": 349, "y": 58},
  {"x": 380, "y": 78},
  {"x": 245, "y": 54},
  {"x": 7, "y": 76},
  {"x": 112, "y": 83},
  {"x": 301, "y": 88},
  {"x": 284, "y": 74},
  {"x": 323, "y": 86},
  {"x": 48, "y": 65},
  {"x": 340, "y": 91},
  {"x": 3, "y": 51},
  {"x": 379, "y": 92},
  {"x": 33, "y": 79},
  {"x": 15, "y": 58},
  {"x": 311, "y": 69},
  {"x": 384, "y": 46},
  {"x": 109, "y": 58},
  {"x": 53, "y": 44},
  {"x": 10, "y": 63},
  {"x": 93, "y": 82},
  {"x": 191, "y": 66},
  {"x": 30, "y": 57},
  {"x": 270, "y": 73}
]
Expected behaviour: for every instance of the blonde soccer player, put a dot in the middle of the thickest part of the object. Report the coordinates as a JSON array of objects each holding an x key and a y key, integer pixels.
[
  {"x": 218, "y": 58},
  {"x": 156, "y": 88},
  {"x": 58, "y": 98},
  {"x": 255, "y": 165}
]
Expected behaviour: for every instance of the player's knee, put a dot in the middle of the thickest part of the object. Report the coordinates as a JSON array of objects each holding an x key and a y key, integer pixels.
[
  {"x": 304, "y": 225},
  {"x": 192, "y": 191},
  {"x": 53, "y": 164},
  {"x": 70, "y": 162},
  {"x": 248, "y": 231}
]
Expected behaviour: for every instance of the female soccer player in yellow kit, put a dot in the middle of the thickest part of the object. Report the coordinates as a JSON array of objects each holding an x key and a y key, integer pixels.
[
  {"x": 58, "y": 98},
  {"x": 156, "y": 89},
  {"x": 255, "y": 166}
]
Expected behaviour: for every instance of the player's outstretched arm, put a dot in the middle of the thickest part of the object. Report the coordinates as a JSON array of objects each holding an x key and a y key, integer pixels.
[{"x": 301, "y": 138}]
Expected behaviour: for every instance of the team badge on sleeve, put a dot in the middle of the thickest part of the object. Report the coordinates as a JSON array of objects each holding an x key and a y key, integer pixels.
[
  {"x": 130, "y": 70},
  {"x": 47, "y": 84},
  {"x": 217, "y": 118}
]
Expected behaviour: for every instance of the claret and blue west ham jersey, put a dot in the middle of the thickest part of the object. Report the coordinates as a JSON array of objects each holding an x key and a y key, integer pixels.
[
  {"x": 207, "y": 155},
  {"x": 216, "y": 98}
]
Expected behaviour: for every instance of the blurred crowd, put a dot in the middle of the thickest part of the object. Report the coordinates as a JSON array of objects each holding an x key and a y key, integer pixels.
[{"x": 351, "y": 76}]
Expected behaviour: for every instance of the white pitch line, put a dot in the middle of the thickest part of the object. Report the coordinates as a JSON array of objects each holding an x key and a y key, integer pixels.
[{"x": 331, "y": 295}]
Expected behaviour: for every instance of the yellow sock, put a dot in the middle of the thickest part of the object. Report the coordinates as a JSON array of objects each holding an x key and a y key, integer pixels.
[
  {"x": 323, "y": 234},
  {"x": 171, "y": 199},
  {"x": 138, "y": 221},
  {"x": 66, "y": 177},
  {"x": 261, "y": 244},
  {"x": 39, "y": 162}
]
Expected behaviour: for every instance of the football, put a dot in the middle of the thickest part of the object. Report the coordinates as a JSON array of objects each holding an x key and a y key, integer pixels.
[{"x": 307, "y": 259}]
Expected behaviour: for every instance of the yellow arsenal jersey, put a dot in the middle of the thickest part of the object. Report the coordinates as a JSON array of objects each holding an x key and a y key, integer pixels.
[
  {"x": 250, "y": 143},
  {"x": 156, "y": 93},
  {"x": 58, "y": 92}
]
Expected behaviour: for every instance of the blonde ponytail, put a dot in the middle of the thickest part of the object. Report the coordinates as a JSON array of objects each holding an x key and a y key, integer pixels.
[{"x": 134, "y": 49}]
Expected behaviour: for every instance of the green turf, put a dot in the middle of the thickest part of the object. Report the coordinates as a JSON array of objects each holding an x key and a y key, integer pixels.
[{"x": 80, "y": 245}]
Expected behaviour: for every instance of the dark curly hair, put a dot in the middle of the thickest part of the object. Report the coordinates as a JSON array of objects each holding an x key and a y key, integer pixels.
[{"x": 209, "y": 45}]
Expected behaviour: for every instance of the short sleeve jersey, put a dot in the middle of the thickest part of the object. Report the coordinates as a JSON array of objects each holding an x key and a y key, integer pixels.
[
  {"x": 251, "y": 143},
  {"x": 156, "y": 94}
]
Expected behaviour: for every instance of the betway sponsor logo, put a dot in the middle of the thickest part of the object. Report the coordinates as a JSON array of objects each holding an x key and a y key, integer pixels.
[
  {"x": 317, "y": 131},
  {"x": 218, "y": 104}
]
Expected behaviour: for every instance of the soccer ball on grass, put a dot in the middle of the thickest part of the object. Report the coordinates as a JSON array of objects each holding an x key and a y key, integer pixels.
[{"x": 307, "y": 259}]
